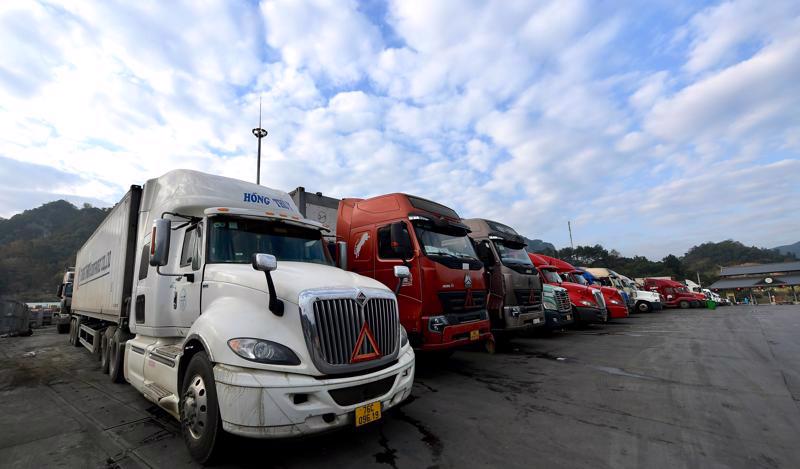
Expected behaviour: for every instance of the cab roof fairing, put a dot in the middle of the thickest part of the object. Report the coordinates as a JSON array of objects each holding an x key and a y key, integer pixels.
[{"x": 190, "y": 193}]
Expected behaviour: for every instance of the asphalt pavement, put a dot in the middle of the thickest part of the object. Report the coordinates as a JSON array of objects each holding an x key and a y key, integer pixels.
[{"x": 673, "y": 389}]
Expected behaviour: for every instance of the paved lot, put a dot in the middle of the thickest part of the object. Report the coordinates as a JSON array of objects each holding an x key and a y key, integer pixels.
[{"x": 690, "y": 388}]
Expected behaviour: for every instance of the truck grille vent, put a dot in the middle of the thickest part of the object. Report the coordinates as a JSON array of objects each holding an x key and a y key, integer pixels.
[
  {"x": 362, "y": 393},
  {"x": 339, "y": 323},
  {"x": 455, "y": 302},
  {"x": 526, "y": 297},
  {"x": 562, "y": 301}
]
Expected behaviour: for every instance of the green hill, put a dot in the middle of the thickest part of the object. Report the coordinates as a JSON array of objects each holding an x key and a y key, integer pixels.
[
  {"x": 790, "y": 249},
  {"x": 36, "y": 246}
]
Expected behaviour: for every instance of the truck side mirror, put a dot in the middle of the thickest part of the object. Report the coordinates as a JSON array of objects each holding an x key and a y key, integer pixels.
[
  {"x": 400, "y": 240},
  {"x": 159, "y": 244},
  {"x": 401, "y": 272},
  {"x": 341, "y": 250},
  {"x": 267, "y": 263}
]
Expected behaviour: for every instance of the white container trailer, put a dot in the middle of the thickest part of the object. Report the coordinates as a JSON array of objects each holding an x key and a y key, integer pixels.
[{"x": 219, "y": 301}]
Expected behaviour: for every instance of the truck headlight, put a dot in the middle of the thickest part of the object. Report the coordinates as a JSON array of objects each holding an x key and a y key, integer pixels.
[
  {"x": 589, "y": 303},
  {"x": 437, "y": 323},
  {"x": 263, "y": 351},
  {"x": 403, "y": 337}
]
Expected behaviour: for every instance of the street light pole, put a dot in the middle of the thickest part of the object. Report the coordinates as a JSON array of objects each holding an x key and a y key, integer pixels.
[{"x": 259, "y": 133}]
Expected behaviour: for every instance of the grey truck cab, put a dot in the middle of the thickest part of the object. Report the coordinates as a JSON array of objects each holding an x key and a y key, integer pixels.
[{"x": 514, "y": 288}]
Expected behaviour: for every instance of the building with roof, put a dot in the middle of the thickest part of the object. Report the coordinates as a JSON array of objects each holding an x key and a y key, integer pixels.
[{"x": 770, "y": 278}]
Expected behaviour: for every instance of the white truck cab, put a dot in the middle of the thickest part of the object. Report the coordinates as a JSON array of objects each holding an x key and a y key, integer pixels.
[{"x": 239, "y": 321}]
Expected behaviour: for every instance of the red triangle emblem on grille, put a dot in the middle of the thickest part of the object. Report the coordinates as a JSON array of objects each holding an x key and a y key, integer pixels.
[{"x": 357, "y": 356}]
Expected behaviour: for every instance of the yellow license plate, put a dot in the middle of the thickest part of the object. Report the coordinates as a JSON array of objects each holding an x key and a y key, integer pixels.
[
  {"x": 474, "y": 335},
  {"x": 368, "y": 413}
]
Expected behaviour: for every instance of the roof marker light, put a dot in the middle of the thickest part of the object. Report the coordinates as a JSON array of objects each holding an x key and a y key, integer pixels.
[{"x": 223, "y": 209}]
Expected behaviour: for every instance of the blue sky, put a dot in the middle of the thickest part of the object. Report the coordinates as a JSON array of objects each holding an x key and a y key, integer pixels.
[{"x": 652, "y": 125}]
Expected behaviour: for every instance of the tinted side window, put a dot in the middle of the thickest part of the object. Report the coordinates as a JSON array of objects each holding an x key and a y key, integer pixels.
[
  {"x": 385, "y": 250},
  {"x": 188, "y": 251},
  {"x": 144, "y": 262}
]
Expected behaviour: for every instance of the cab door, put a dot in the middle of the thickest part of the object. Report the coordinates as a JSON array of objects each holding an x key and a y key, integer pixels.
[
  {"x": 187, "y": 289},
  {"x": 409, "y": 298}
]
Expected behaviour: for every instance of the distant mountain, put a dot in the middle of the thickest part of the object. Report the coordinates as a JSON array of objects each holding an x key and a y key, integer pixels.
[
  {"x": 790, "y": 249},
  {"x": 539, "y": 246},
  {"x": 36, "y": 246}
]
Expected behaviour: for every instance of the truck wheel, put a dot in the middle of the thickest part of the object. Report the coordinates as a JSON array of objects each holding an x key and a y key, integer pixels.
[
  {"x": 116, "y": 348},
  {"x": 201, "y": 424},
  {"x": 643, "y": 307},
  {"x": 684, "y": 304},
  {"x": 62, "y": 328},
  {"x": 105, "y": 350}
]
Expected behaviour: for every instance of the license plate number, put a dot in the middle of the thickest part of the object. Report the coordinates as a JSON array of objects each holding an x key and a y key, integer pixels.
[
  {"x": 536, "y": 320},
  {"x": 474, "y": 335},
  {"x": 368, "y": 413},
  {"x": 569, "y": 317}
]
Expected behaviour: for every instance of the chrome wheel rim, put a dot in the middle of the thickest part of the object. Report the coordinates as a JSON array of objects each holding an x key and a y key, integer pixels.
[{"x": 195, "y": 407}]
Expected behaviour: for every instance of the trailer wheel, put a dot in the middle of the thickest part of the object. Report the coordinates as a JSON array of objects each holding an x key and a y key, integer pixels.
[
  {"x": 116, "y": 346},
  {"x": 643, "y": 307},
  {"x": 201, "y": 424},
  {"x": 684, "y": 304},
  {"x": 105, "y": 350}
]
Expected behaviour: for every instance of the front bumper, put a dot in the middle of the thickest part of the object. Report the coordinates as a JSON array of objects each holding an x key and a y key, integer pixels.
[
  {"x": 555, "y": 319},
  {"x": 617, "y": 311},
  {"x": 528, "y": 317},
  {"x": 587, "y": 314},
  {"x": 261, "y": 404},
  {"x": 455, "y": 336}
]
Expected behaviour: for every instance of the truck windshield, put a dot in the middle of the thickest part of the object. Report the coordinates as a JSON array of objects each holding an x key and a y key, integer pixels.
[
  {"x": 447, "y": 245},
  {"x": 575, "y": 278},
  {"x": 512, "y": 256},
  {"x": 235, "y": 240},
  {"x": 551, "y": 276}
]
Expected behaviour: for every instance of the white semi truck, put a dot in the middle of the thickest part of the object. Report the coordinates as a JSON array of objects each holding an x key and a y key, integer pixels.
[{"x": 219, "y": 301}]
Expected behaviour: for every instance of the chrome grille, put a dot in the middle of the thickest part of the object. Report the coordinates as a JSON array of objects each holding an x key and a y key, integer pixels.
[
  {"x": 339, "y": 322},
  {"x": 526, "y": 297},
  {"x": 562, "y": 301}
]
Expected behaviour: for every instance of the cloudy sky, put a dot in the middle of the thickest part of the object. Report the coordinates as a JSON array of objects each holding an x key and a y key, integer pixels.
[{"x": 652, "y": 125}]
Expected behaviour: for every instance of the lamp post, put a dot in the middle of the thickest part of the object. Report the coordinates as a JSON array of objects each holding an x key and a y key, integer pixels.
[{"x": 259, "y": 133}]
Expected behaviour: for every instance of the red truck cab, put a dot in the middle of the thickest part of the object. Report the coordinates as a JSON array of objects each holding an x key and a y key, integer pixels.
[
  {"x": 615, "y": 303},
  {"x": 675, "y": 294},
  {"x": 443, "y": 302},
  {"x": 588, "y": 305}
]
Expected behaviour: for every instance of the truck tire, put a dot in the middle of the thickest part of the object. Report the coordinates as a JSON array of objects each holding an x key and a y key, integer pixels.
[
  {"x": 201, "y": 424},
  {"x": 62, "y": 328},
  {"x": 684, "y": 304},
  {"x": 643, "y": 307},
  {"x": 116, "y": 361},
  {"x": 105, "y": 350}
]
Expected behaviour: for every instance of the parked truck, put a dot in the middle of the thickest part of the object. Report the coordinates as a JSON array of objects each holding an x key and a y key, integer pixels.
[
  {"x": 514, "y": 288},
  {"x": 61, "y": 318},
  {"x": 443, "y": 302},
  {"x": 588, "y": 305},
  {"x": 675, "y": 294},
  {"x": 218, "y": 301},
  {"x": 641, "y": 301},
  {"x": 614, "y": 300}
]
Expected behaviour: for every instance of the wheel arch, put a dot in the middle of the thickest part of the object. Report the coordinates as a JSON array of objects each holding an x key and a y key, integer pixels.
[{"x": 193, "y": 345}]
